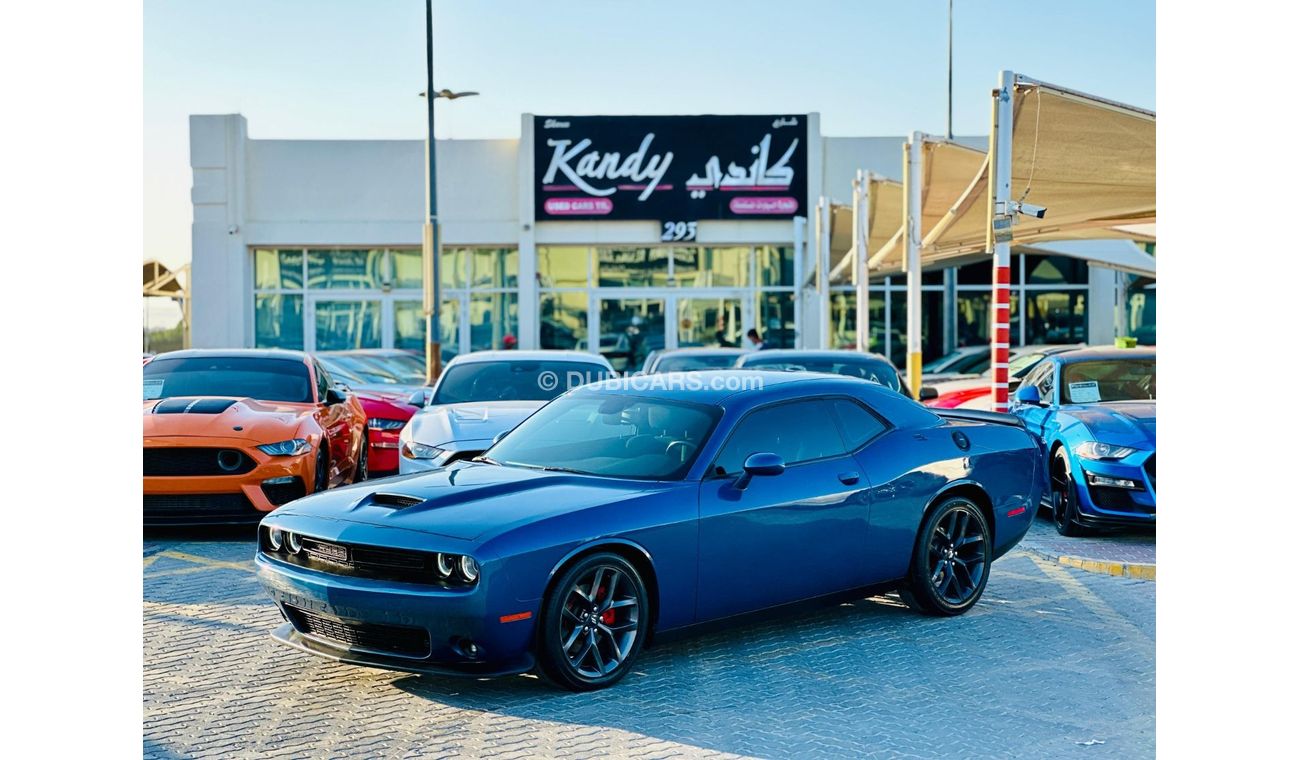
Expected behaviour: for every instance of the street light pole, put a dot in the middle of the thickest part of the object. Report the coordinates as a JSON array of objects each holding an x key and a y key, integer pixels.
[
  {"x": 430, "y": 252},
  {"x": 949, "y": 69}
]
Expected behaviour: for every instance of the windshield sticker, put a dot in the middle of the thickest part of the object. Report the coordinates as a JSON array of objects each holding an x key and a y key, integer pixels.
[
  {"x": 153, "y": 388},
  {"x": 1085, "y": 393}
]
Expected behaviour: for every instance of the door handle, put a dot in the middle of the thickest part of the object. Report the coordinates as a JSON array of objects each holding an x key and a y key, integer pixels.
[{"x": 849, "y": 478}]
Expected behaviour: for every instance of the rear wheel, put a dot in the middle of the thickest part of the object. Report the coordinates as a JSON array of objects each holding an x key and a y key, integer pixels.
[
  {"x": 1065, "y": 497},
  {"x": 950, "y": 564},
  {"x": 593, "y": 624}
]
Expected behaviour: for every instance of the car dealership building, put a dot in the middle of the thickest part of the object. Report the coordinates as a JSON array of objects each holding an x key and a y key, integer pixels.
[{"x": 610, "y": 234}]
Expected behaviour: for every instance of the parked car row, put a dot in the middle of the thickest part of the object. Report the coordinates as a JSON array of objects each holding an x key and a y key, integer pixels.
[{"x": 553, "y": 523}]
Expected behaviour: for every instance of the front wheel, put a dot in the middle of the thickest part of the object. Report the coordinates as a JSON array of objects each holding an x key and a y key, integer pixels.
[
  {"x": 322, "y": 479},
  {"x": 362, "y": 469},
  {"x": 593, "y": 624},
  {"x": 1065, "y": 497},
  {"x": 950, "y": 564}
]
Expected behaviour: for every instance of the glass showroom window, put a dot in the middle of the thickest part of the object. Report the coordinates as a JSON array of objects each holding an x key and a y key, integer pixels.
[
  {"x": 346, "y": 298},
  {"x": 844, "y": 319}
]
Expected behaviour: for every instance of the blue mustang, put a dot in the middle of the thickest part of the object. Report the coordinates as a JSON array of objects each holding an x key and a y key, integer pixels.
[
  {"x": 633, "y": 507},
  {"x": 1095, "y": 412}
]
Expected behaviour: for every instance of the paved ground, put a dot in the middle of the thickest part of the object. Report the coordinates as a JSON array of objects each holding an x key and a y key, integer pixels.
[
  {"x": 1131, "y": 546},
  {"x": 1054, "y": 662}
]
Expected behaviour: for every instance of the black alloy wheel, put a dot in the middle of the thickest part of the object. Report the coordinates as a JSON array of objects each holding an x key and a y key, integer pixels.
[
  {"x": 950, "y": 564},
  {"x": 322, "y": 479},
  {"x": 594, "y": 623},
  {"x": 1065, "y": 497}
]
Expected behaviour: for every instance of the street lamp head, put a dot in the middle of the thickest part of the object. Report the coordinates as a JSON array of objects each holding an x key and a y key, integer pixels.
[{"x": 448, "y": 94}]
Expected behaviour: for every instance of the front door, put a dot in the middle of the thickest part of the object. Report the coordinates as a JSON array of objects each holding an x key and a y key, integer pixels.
[{"x": 787, "y": 537}]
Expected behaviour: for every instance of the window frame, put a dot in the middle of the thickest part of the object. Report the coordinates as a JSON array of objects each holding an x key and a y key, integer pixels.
[{"x": 712, "y": 474}]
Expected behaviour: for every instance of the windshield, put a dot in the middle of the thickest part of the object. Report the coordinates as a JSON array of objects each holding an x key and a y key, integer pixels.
[
  {"x": 237, "y": 376},
  {"x": 340, "y": 373},
  {"x": 367, "y": 371},
  {"x": 407, "y": 368},
  {"x": 1111, "y": 380},
  {"x": 1020, "y": 365},
  {"x": 874, "y": 370},
  {"x": 689, "y": 362},
  {"x": 513, "y": 381},
  {"x": 616, "y": 436}
]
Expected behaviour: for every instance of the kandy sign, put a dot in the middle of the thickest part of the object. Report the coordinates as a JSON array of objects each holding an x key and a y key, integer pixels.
[{"x": 670, "y": 168}]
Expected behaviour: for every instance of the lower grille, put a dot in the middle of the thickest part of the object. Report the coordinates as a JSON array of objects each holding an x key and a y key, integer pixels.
[
  {"x": 1150, "y": 467},
  {"x": 164, "y": 461},
  {"x": 185, "y": 509},
  {"x": 1117, "y": 500},
  {"x": 389, "y": 639},
  {"x": 283, "y": 493}
]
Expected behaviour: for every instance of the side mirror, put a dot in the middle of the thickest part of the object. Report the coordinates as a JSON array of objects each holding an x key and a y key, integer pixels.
[
  {"x": 928, "y": 393},
  {"x": 1028, "y": 395},
  {"x": 762, "y": 463},
  {"x": 334, "y": 396},
  {"x": 419, "y": 398}
]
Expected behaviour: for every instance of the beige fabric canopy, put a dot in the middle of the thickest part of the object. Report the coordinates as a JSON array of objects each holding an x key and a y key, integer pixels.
[{"x": 884, "y": 210}]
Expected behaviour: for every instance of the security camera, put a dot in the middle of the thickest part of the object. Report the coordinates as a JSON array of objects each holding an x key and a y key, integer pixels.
[{"x": 1029, "y": 209}]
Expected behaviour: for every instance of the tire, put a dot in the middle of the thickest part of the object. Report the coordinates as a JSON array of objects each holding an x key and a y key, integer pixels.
[
  {"x": 1065, "y": 497},
  {"x": 948, "y": 577},
  {"x": 603, "y": 640},
  {"x": 361, "y": 471},
  {"x": 322, "y": 479}
]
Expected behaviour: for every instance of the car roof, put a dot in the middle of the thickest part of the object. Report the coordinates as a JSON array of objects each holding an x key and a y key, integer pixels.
[
  {"x": 1104, "y": 352},
  {"x": 553, "y": 355},
  {"x": 252, "y": 353},
  {"x": 806, "y": 353},
  {"x": 714, "y": 386}
]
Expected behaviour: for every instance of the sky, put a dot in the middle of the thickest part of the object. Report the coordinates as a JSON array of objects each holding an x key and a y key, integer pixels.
[{"x": 353, "y": 69}]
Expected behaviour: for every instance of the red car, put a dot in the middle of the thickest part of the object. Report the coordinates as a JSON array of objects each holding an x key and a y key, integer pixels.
[
  {"x": 385, "y": 401},
  {"x": 977, "y": 392}
]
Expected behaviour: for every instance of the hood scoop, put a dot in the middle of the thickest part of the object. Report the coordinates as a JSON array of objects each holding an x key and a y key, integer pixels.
[
  {"x": 391, "y": 500},
  {"x": 193, "y": 405}
]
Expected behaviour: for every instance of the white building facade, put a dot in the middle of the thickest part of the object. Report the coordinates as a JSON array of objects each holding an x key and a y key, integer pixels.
[{"x": 316, "y": 244}]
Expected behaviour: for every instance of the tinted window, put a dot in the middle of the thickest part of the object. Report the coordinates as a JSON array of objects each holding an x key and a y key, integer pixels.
[
  {"x": 238, "y": 376},
  {"x": 850, "y": 365},
  {"x": 1114, "y": 380},
  {"x": 618, "y": 436},
  {"x": 859, "y": 425},
  {"x": 797, "y": 432},
  {"x": 1046, "y": 381},
  {"x": 323, "y": 382},
  {"x": 687, "y": 362},
  {"x": 514, "y": 381}
]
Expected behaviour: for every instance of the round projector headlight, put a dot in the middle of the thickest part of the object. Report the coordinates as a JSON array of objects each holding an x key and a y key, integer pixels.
[
  {"x": 469, "y": 568},
  {"x": 294, "y": 541},
  {"x": 276, "y": 538},
  {"x": 446, "y": 563}
]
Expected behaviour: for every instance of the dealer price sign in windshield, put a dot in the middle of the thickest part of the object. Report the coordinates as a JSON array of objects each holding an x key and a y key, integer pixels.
[{"x": 675, "y": 170}]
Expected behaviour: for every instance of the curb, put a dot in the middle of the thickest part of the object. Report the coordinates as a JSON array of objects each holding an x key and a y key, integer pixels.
[{"x": 1138, "y": 570}]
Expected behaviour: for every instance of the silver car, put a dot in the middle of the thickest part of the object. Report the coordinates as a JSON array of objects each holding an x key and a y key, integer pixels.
[{"x": 484, "y": 394}]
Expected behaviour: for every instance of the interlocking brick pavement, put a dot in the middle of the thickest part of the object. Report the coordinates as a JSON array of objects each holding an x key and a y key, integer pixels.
[
  {"x": 1129, "y": 545},
  {"x": 1050, "y": 659}
]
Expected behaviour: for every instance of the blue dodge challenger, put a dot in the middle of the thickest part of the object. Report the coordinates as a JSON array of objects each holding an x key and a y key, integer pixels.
[
  {"x": 1094, "y": 410},
  {"x": 627, "y": 509}
]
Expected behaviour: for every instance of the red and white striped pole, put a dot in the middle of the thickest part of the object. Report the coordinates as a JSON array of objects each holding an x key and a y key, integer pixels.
[{"x": 1001, "y": 217}]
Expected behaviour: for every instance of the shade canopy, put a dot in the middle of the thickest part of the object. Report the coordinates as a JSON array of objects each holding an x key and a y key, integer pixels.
[{"x": 161, "y": 281}]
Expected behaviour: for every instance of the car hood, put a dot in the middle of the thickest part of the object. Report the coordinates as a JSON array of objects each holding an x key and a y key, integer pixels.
[
  {"x": 219, "y": 417},
  {"x": 466, "y": 501},
  {"x": 438, "y": 425},
  {"x": 1124, "y": 423}
]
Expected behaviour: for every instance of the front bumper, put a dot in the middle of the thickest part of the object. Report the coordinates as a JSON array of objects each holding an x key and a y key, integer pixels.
[
  {"x": 244, "y": 498},
  {"x": 1107, "y": 505},
  {"x": 447, "y": 620},
  {"x": 383, "y": 452}
]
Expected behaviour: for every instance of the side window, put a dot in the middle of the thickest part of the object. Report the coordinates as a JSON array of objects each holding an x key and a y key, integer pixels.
[
  {"x": 859, "y": 425},
  {"x": 322, "y": 381},
  {"x": 797, "y": 432},
  {"x": 1046, "y": 383}
]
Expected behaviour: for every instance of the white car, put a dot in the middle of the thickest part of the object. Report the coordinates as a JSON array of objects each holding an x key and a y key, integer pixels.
[{"x": 483, "y": 394}]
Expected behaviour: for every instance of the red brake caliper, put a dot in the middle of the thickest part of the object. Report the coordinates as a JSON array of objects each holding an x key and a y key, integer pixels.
[{"x": 606, "y": 617}]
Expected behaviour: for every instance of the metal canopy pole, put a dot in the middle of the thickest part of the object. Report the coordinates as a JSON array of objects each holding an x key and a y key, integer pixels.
[
  {"x": 998, "y": 237},
  {"x": 862, "y": 233},
  {"x": 912, "y": 179},
  {"x": 823, "y": 230},
  {"x": 430, "y": 258}
]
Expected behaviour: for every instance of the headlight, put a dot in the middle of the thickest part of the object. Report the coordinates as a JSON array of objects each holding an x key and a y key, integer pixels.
[
  {"x": 469, "y": 568},
  {"x": 446, "y": 564},
  {"x": 1099, "y": 450},
  {"x": 294, "y": 541},
  {"x": 413, "y": 450},
  {"x": 379, "y": 423},
  {"x": 276, "y": 538},
  {"x": 289, "y": 448}
]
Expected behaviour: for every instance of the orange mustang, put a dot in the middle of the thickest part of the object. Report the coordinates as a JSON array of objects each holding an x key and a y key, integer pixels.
[{"x": 231, "y": 435}]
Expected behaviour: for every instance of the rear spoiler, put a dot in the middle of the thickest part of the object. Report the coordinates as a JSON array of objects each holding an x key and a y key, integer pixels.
[{"x": 976, "y": 415}]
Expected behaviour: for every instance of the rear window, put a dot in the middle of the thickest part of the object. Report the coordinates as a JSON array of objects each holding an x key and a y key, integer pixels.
[
  {"x": 688, "y": 362},
  {"x": 514, "y": 381},
  {"x": 874, "y": 370},
  {"x": 235, "y": 376}
]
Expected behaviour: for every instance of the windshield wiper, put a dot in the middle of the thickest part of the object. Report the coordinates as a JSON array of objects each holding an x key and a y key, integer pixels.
[{"x": 486, "y": 460}]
